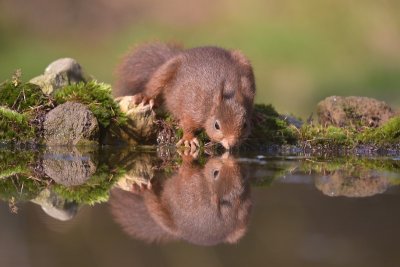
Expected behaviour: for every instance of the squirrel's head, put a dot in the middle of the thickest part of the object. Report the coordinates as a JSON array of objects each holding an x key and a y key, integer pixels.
[
  {"x": 209, "y": 205},
  {"x": 229, "y": 121}
]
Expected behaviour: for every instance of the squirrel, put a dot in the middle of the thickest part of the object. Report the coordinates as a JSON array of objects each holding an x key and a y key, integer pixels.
[
  {"x": 201, "y": 205},
  {"x": 206, "y": 87}
]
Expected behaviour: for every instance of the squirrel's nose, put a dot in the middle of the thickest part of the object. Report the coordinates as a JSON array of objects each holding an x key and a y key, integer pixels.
[
  {"x": 228, "y": 143},
  {"x": 225, "y": 143}
]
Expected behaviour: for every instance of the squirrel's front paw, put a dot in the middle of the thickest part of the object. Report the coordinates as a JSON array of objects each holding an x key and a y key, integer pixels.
[
  {"x": 192, "y": 143},
  {"x": 140, "y": 99}
]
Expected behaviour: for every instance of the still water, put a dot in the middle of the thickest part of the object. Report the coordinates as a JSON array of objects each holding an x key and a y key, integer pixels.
[{"x": 70, "y": 207}]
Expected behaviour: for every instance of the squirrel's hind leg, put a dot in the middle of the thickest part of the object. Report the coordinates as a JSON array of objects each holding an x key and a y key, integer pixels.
[{"x": 161, "y": 78}]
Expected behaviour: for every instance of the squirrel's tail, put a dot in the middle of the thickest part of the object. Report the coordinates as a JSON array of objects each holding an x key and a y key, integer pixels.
[{"x": 139, "y": 64}]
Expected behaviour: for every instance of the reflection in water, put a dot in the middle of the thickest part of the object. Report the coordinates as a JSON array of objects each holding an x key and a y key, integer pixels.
[
  {"x": 155, "y": 199},
  {"x": 204, "y": 202},
  {"x": 68, "y": 165},
  {"x": 56, "y": 207},
  {"x": 354, "y": 177},
  {"x": 202, "y": 205},
  {"x": 342, "y": 183}
]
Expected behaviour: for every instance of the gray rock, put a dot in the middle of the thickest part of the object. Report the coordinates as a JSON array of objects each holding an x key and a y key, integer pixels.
[
  {"x": 49, "y": 83},
  {"x": 70, "y": 124},
  {"x": 58, "y": 74},
  {"x": 68, "y": 166},
  {"x": 292, "y": 120},
  {"x": 353, "y": 111}
]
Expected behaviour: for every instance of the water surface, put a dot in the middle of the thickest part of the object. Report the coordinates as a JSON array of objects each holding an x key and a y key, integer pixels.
[{"x": 64, "y": 207}]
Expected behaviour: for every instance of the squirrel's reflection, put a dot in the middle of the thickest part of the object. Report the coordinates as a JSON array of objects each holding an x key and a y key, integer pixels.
[{"x": 202, "y": 205}]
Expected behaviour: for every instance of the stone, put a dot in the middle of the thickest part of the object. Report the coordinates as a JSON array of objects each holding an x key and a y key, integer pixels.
[
  {"x": 58, "y": 74},
  {"x": 70, "y": 124},
  {"x": 141, "y": 127},
  {"x": 68, "y": 166},
  {"x": 49, "y": 83},
  {"x": 353, "y": 111}
]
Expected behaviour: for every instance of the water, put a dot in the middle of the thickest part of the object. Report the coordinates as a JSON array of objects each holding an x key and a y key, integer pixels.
[{"x": 65, "y": 207}]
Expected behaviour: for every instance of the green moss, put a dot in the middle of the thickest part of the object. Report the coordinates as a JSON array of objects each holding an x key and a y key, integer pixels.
[
  {"x": 95, "y": 190},
  {"x": 21, "y": 97},
  {"x": 387, "y": 134},
  {"x": 330, "y": 137},
  {"x": 14, "y": 126},
  {"x": 269, "y": 128},
  {"x": 97, "y": 97}
]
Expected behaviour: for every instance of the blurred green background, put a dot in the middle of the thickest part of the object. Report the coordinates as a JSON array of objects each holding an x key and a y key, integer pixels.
[{"x": 302, "y": 51}]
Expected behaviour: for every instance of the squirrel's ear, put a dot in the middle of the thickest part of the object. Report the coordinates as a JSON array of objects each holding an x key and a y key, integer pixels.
[
  {"x": 163, "y": 75},
  {"x": 241, "y": 59}
]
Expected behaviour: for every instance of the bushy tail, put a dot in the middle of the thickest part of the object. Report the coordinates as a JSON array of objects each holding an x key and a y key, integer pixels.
[{"x": 139, "y": 64}]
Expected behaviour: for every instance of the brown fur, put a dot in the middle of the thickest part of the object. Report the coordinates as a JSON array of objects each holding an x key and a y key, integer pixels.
[
  {"x": 199, "y": 86},
  {"x": 204, "y": 206}
]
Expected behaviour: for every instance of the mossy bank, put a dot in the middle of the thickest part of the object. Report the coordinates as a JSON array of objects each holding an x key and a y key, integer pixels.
[{"x": 342, "y": 124}]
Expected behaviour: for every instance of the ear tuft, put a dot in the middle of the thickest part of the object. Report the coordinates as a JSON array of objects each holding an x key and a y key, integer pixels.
[{"x": 240, "y": 58}]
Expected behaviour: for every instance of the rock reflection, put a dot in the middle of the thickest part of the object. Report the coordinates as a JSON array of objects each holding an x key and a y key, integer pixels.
[
  {"x": 55, "y": 206},
  {"x": 363, "y": 183},
  {"x": 353, "y": 177},
  {"x": 203, "y": 205},
  {"x": 68, "y": 166}
]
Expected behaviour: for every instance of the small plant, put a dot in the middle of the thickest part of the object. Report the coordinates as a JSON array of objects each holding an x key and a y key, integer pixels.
[{"x": 21, "y": 97}]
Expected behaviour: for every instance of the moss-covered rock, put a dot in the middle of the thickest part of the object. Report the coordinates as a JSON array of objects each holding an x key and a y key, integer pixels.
[
  {"x": 386, "y": 136},
  {"x": 353, "y": 111},
  {"x": 269, "y": 128},
  {"x": 97, "y": 97}
]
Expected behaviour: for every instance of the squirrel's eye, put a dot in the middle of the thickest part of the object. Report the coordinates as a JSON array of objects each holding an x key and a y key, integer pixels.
[
  {"x": 216, "y": 125},
  {"x": 215, "y": 173}
]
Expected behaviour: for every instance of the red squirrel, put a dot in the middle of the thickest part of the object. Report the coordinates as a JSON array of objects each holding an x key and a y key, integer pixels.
[
  {"x": 203, "y": 206},
  {"x": 207, "y": 88}
]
